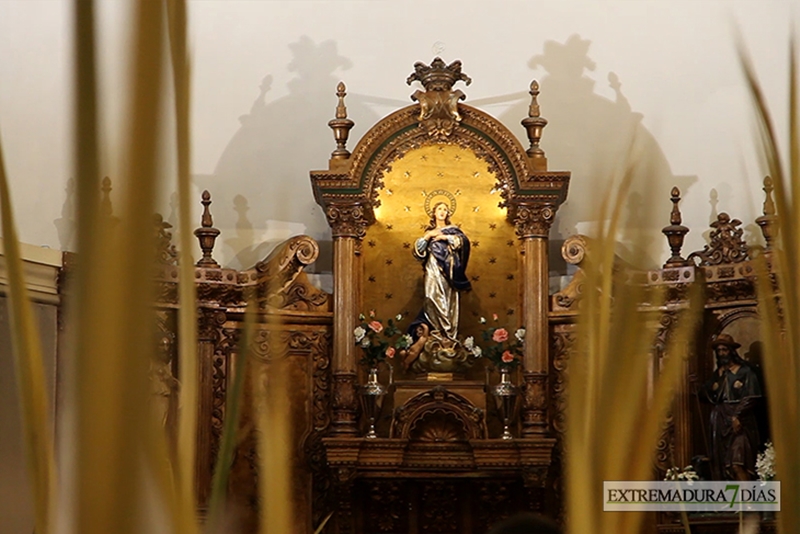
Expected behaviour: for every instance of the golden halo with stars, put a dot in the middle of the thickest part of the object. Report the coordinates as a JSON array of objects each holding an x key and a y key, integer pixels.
[{"x": 440, "y": 195}]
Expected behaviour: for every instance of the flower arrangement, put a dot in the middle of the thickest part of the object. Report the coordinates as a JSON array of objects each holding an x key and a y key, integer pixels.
[
  {"x": 765, "y": 463},
  {"x": 377, "y": 340},
  {"x": 676, "y": 473},
  {"x": 501, "y": 348}
]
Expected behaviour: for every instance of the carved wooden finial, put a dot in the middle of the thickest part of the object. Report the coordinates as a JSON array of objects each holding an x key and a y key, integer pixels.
[
  {"x": 341, "y": 109},
  {"x": 534, "y": 123},
  {"x": 206, "y": 234},
  {"x": 341, "y": 125},
  {"x": 675, "y": 232},
  {"x": 675, "y": 216},
  {"x": 206, "y": 221},
  {"x": 533, "y": 110},
  {"x": 768, "y": 220}
]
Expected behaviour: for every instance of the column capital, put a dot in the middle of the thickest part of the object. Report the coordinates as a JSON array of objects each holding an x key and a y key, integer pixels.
[
  {"x": 349, "y": 220},
  {"x": 533, "y": 220}
]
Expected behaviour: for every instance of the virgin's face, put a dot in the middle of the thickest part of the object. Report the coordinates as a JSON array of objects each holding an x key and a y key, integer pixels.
[{"x": 440, "y": 212}]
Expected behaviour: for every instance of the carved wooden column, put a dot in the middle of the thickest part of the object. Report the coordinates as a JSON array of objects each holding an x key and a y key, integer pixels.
[
  {"x": 210, "y": 320},
  {"x": 348, "y": 225},
  {"x": 532, "y": 222}
]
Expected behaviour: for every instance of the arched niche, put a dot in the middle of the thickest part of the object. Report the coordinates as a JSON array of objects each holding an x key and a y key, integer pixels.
[{"x": 393, "y": 278}]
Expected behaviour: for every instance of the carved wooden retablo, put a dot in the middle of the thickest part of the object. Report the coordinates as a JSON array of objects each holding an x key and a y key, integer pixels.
[{"x": 439, "y": 420}]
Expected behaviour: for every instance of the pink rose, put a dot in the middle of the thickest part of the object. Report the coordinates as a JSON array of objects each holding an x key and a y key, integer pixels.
[
  {"x": 390, "y": 352},
  {"x": 372, "y": 313},
  {"x": 494, "y": 316},
  {"x": 507, "y": 357},
  {"x": 500, "y": 335},
  {"x": 376, "y": 326}
]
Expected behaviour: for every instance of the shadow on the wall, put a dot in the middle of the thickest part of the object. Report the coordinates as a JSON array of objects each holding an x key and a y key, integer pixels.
[
  {"x": 280, "y": 141},
  {"x": 597, "y": 138},
  {"x": 66, "y": 224},
  {"x": 270, "y": 157}
]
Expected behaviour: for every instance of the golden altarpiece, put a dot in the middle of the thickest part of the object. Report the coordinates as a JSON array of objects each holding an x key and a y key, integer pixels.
[{"x": 438, "y": 463}]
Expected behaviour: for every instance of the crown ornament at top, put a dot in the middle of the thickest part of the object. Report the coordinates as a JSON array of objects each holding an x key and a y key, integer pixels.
[
  {"x": 438, "y": 103},
  {"x": 437, "y": 76}
]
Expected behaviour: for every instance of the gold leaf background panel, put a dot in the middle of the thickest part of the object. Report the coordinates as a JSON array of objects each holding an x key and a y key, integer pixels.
[{"x": 393, "y": 277}]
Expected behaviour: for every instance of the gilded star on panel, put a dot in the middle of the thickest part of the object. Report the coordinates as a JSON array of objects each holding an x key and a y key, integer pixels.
[
  {"x": 475, "y": 278},
  {"x": 510, "y": 242},
  {"x": 492, "y": 295},
  {"x": 388, "y": 296},
  {"x": 423, "y": 157},
  {"x": 509, "y": 277},
  {"x": 408, "y": 208},
  {"x": 406, "y": 245},
  {"x": 476, "y": 244},
  {"x": 371, "y": 243},
  {"x": 440, "y": 174},
  {"x": 492, "y": 226},
  {"x": 457, "y": 157},
  {"x": 389, "y": 261},
  {"x": 371, "y": 279},
  {"x": 407, "y": 174},
  {"x": 390, "y": 227},
  {"x": 492, "y": 260},
  {"x": 510, "y": 311}
]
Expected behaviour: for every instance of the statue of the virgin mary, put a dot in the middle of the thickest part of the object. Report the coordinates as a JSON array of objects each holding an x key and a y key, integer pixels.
[{"x": 444, "y": 253}]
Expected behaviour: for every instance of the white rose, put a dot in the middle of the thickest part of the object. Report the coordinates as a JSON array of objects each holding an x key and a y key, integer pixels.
[
  {"x": 399, "y": 317},
  {"x": 476, "y": 351},
  {"x": 365, "y": 342},
  {"x": 483, "y": 320},
  {"x": 469, "y": 343},
  {"x": 359, "y": 332},
  {"x": 519, "y": 334}
]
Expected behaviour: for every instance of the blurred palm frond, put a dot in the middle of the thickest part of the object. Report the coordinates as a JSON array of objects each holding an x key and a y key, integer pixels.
[
  {"x": 184, "y": 468},
  {"x": 779, "y": 299},
  {"x": 39, "y": 450},
  {"x": 613, "y": 418}
]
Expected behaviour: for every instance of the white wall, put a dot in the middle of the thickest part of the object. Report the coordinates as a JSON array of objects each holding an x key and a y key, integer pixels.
[{"x": 681, "y": 92}]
